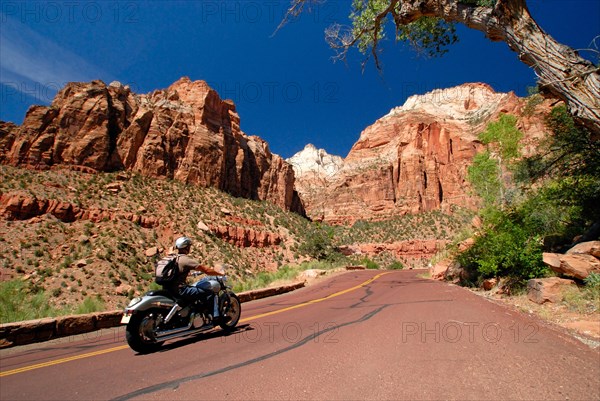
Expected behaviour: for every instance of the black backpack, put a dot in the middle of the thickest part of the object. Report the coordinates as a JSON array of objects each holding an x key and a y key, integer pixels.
[{"x": 166, "y": 270}]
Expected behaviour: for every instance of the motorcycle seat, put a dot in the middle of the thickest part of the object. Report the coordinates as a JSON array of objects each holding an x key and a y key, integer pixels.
[{"x": 169, "y": 294}]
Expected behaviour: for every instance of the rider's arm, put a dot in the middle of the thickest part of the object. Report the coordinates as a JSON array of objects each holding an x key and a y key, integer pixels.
[{"x": 211, "y": 271}]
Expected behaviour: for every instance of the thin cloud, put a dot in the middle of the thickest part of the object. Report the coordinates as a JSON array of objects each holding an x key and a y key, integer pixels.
[{"x": 35, "y": 65}]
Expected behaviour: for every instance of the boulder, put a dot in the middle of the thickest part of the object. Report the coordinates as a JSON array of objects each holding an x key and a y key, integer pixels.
[
  {"x": 552, "y": 260},
  {"x": 151, "y": 252},
  {"x": 202, "y": 227},
  {"x": 573, "y": 265},
  {"x": 466, "y": 244},
  {"x": 113, "y": 187},
  {"x": 456, "y": 273},
  {"x": 587, "y": 248},
  {"x": 438, "y": 271},
  {"x": 550, "y": 289},
  {"x": 311, "y": 274},
  {"x": 123, "y": 289},
  {"x": 489, "y": 283},
  {"x": 81, "y": 263}
]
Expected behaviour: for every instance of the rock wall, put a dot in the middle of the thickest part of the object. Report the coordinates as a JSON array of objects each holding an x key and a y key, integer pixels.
[
  {"x": 19, "y": 206},
  {"x": 185, "y": 132},
  {"x": 415, "y": 158},
  {"x": 413, "y": 253}
]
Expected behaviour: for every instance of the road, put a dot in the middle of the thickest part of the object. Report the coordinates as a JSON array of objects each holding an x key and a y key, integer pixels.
[{"x": 358, "y": 335}]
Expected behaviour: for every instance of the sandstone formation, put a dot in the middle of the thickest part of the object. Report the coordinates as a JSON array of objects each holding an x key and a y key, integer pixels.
[
  {"x": 17, "y": 206},
  {"x": 548, "y": 289},
  {"x": 411, "y": 253},
  {"x": 185, "y": 132},
  {"x": 573, "y": 265},
  {"x": 586, "y": 248},
  {"x": 448, "y": 270},
  {"x": 412, "y": 160},
  {"x": 245, "y": 237}
]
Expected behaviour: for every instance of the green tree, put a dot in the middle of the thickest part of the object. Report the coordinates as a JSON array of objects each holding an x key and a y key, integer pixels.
[
  {"x": 562, "y": 184},
  {"x": 569, "y": 151},
  {"x": 488, "y": 169},
  {"x": 567, "y": 172},
  {"x": 504, "y": 136},
  {"x": 483, "y": 175},
  {"x": 319, "y": 244},
  {"x": 428, "y": 25}
]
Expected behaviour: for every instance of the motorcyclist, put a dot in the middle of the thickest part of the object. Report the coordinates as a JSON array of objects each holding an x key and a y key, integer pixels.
[{"x": 186, "y": 264}]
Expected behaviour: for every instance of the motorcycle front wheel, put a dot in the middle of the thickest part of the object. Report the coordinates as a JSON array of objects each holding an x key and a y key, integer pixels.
[
  {"x": 140, "y": 332},
  {"x": 231, "y": 310}
]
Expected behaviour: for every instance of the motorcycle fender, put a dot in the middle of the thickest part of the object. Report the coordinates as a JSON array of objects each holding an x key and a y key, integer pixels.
[{"x": 146, "y": 303}]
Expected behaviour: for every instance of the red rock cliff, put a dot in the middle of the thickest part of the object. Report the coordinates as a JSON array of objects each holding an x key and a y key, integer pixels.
[
  {"x": 413, "y": 159},
  {"x": 185, "y": 132}
]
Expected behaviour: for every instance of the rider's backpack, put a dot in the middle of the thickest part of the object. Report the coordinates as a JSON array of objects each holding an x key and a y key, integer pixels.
[{"x": 166, "y": 270}]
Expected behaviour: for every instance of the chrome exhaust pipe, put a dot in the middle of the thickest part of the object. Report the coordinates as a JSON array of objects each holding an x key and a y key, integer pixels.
[
  {"x": 171, "y": 334},
  {"x": 166, "y": 333},
  {"x": 176, "y": 308}
]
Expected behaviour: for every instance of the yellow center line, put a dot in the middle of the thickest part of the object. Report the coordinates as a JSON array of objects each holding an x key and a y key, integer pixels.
[
  {"x": 121, "y": 347},
  {"x": 62, "y": 360},
  {"x": 314, "y": 301}
]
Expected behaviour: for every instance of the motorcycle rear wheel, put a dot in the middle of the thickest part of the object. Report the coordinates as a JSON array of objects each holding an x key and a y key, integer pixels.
[
  {"x": 140, "y": 332},
  {"x": 231, "y": 308}
]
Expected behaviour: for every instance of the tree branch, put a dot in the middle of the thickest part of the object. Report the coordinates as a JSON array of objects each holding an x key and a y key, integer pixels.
[{"x": 562, "y": 72}]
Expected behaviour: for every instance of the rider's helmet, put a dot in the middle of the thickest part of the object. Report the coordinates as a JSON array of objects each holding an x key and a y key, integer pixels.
[{"x": 183, "y": 242}]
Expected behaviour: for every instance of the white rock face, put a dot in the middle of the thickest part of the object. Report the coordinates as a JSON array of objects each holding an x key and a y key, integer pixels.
[
  {"x": 464, "y": 102},
  {"x": 315, "y": 162}
]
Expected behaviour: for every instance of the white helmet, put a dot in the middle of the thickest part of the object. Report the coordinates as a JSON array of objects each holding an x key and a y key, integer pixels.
[{"x": 183, "y": 242}]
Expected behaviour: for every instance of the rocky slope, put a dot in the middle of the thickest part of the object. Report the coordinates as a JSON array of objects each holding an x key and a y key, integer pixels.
[
  {"x": 185, "y": 132},
  {"x": 79, "y": 234},
  {"x": 414, "y": 159}
]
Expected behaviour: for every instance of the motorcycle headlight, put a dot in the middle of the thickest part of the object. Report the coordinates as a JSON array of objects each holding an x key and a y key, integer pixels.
[{"x": 134, "y": 301}]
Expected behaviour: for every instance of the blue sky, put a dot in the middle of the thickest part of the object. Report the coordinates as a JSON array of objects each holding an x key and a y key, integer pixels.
[{"x": 285, "y": 85}]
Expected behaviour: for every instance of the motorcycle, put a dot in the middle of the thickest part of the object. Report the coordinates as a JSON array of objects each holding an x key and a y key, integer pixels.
[{"x": 159, "y": 315}]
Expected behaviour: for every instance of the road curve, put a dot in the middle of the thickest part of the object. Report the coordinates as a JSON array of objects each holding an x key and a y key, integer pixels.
[{"x": 359, "y": 335}]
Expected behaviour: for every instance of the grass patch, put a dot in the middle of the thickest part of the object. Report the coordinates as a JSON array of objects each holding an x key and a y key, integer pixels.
[
  {"x": 284, "y": 273},
  {"x": 17, "y": 303},
  {"x": 90, "y": 305},
  {"x": 584, "y": 300}
]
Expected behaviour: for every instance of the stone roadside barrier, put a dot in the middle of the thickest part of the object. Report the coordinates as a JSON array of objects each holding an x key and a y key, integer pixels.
[{"x": 33, "y": 331}]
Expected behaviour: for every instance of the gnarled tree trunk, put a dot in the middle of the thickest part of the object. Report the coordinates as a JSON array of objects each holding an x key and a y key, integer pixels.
[{"x": 561, "y": 71}]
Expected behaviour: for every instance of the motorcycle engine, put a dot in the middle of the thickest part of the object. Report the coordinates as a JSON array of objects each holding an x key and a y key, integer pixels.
[{"x": 198, "y": 320}]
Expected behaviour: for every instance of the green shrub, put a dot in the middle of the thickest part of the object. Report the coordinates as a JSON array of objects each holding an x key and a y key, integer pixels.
[
  {"x": 319, "y": 244},
  {"x": 369, "y": 264},
  {"x": 593, "y": 281},
  {"x": 396, "y": 265},
  {"x": 505, "y": 249}
]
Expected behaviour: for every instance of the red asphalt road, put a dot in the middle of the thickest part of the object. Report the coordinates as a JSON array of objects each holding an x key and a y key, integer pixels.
[{"x": 397, "y": 337}]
